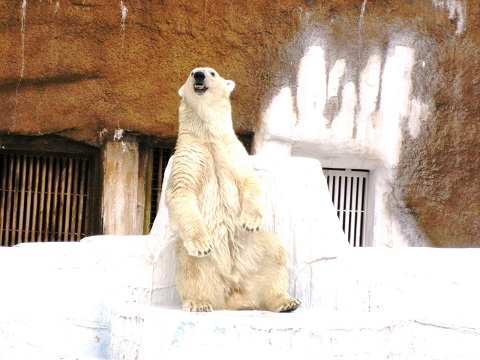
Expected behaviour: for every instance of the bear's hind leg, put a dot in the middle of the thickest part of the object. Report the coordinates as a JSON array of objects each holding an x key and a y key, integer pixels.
[
  {"x": 240, "y": 300},
  {"x": 196, "y": 282},
  {"x": 272, "y": 282}
]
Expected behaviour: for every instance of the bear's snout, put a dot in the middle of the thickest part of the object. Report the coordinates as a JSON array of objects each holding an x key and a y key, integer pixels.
[{"x": 199, "y": 85}]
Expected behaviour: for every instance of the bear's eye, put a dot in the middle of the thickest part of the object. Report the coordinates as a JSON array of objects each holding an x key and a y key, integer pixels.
[
  {"x": 212, "y": 73},
  {"x": 191, "y": 73}
]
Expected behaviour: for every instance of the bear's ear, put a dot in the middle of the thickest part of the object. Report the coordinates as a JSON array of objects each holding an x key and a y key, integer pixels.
[
  {"x": 230, "y": 85},
  {"x": 181, "y": 91}
]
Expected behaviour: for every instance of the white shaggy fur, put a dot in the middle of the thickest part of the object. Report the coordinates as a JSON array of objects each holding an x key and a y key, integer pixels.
[{"x": 224, "y": 260}]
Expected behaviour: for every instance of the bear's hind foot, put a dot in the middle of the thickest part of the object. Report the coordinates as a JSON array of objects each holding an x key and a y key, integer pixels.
[
  {"x": 197, "y": 306},
  {"x": 284, "y": 304},
  {"x": 290, "y": 305}
]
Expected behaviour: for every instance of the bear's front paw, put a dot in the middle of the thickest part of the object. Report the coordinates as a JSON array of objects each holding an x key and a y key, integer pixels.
[
  {"x": 252, "y": 219},
  {"x": 197, "y": 306},
  {"x": 198, "y": 248}
]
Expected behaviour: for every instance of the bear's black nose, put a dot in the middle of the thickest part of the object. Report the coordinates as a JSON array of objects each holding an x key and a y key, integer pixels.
[{"x": 199, "y": 75}]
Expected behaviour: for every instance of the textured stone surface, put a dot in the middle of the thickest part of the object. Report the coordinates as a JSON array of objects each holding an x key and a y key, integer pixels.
[
  {"x": 75, "y": 68},
  {"x": 82, "y": 69}
]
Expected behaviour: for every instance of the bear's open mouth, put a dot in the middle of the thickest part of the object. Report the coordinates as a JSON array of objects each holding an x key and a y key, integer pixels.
[{"x": 199, "y": 88}]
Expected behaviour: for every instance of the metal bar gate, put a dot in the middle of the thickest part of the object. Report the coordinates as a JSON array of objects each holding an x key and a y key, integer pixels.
[
  {"x": 42, "y": 198},
  {"x": 348, "y": 189}
]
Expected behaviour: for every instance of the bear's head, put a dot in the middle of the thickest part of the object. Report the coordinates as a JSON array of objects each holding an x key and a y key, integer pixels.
[{"x": 205, "y": 85}]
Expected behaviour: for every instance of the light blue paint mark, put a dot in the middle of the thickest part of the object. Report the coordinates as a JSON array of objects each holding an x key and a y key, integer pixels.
[
  {"x": 180, "y": 333},
  {"x": 220, "y": 330}
]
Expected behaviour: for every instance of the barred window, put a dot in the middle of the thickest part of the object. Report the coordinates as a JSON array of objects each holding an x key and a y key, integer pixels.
[
  {"x": 348, "y": 189},
  {"x": 47, "y": 195}
]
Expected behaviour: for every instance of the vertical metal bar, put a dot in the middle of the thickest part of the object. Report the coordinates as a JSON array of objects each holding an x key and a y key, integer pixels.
[
  {"x": 68, "y": 195},
  {"x": 81, "y": 198},
  {"x": 3, "y": 194},
  {"x": 328, "y": 177},
  {"x": 16, "y": 190},
  {"x": 61, "y": 198},
  {"x": 35, "y": 198},
  {"x": 74, "y": 214},
  {"x": 346, "y": 207},
  {"x": 363, "y": 207},
  {"x": 353, "y": 209},
  {"x": 8, "y": 220},
  {"x": 346, "y": 199},
  {"x": 43, "y": 195},
  {"x": 341, "y": 200},
  {"x": 358, "y": 205},
  {"x": 28, "y": 206},
  {"x": 335, "y": 194},
  {"x": 357, "y": 211},
  {"x": 21, "y": 193},
  {"x": 49, "y": 195},
  {"x": 53, "y": 217}
]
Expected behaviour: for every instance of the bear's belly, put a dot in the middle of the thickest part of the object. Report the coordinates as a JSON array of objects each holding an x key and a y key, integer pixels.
[{"x": 220, "y": 206}]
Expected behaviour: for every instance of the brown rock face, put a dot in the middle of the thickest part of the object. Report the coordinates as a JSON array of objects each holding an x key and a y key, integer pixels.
[
  {"x": 439, "y": 171},
  {"x": 83, "y": 68},
  {"x": 78, "y": 67}
]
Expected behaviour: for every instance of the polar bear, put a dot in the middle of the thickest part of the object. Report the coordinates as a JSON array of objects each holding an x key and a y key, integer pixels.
[{"x": 224, "y": 259}]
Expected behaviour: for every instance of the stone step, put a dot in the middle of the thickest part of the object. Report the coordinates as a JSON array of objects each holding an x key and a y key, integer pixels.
[
  {"x": 56, "y": 298},
  {"x": 150, "y": 333}
]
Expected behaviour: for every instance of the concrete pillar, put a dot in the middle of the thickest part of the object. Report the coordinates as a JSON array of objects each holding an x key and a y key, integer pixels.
[{"x": 123, "y": 195}]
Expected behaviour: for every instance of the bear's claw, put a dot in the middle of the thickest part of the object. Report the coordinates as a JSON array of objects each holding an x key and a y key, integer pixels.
[
  {"x": 290, "y": 305},
  {"x": 251, "y": 223},
  {"x": 198, "y": 248},
  {"x": 194, "y": 306},
  {"x": 246, "y": 227}
]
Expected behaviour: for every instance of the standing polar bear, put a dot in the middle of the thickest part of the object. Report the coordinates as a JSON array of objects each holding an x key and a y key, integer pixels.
[{"x": 224, "y": 260}]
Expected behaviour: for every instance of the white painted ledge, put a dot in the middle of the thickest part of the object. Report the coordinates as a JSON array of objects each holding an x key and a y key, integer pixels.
[
  {"x": 382, "y": 304},
  {"x": 158, "y": 333},
  {"x": 93, "y": 300}
]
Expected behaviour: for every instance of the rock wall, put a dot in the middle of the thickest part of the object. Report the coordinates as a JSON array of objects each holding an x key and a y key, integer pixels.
[
  {"x": 84, "y": 68},
  {"x": 78, "y": 67}
]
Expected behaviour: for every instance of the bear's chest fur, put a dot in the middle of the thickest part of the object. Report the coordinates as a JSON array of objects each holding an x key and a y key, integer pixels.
[{"x": 219, "y": 197}]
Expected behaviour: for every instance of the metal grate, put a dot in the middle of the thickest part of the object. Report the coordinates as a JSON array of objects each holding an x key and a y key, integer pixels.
[
  {"x": 43, "y": 198},
  {"x": 348, "y": 189},
  {"x": 160, "y": 161}
]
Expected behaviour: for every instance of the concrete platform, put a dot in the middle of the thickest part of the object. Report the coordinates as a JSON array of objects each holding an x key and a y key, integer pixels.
[
  {"x": 114, "y": 297},
  {"x": 91, "y": 301},
  {"x": 305, "y": 334}
]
